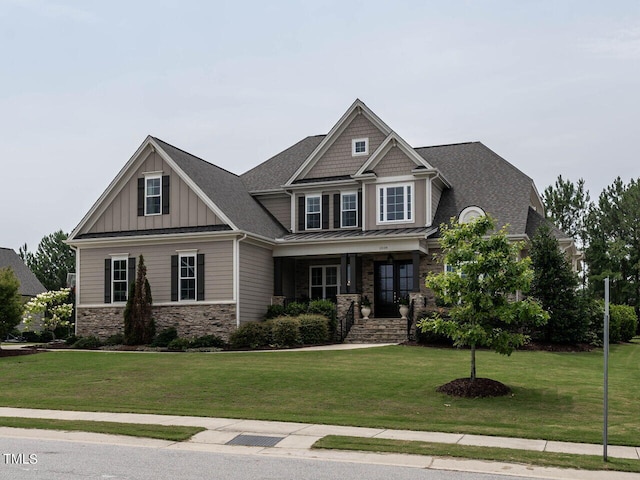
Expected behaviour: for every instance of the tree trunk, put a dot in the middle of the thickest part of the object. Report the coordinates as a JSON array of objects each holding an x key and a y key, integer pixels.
[{"x": 473, "y": 362}]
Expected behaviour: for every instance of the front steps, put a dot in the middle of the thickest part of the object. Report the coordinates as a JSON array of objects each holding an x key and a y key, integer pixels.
[{"x": 378, "y": 330}]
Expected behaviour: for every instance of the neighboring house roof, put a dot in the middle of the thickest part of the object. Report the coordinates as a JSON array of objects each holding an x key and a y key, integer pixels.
[{"x": 30, "y": 286}]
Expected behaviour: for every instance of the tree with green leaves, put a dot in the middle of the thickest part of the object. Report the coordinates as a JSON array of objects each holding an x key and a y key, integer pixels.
[
  {"x": 139, "y": 327},
  {"x": 52, "y": 260},
  {"x": 554, "y": 285},
  {"x": 10, "y": 301},
  {"x": 566, "y": 204},
  {"x": 52, "y": 308},
  {"x": 481, "y": 287}
]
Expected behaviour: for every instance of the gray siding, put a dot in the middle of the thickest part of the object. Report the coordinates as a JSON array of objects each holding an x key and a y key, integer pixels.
[
  {"x": 121, "y": 214},
  {"x": 436, "y": 193},
  {"x": 279, "y": 207},
  {"x": 256, "y": 281},
  {"x": 157, "y": 258},
  {"x": 394, "y": 163},
  {"x": 337, "y": 160}
]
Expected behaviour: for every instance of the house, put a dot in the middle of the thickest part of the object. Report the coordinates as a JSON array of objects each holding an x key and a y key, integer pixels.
[
  {"x": 30, "y": 286},
  {"x": 341, "y": 216}
]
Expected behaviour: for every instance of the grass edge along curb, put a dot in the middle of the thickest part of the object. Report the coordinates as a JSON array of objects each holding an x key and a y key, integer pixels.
[
  {"x": 507, "y": 455},
  {"x": 176, "y": 433}
]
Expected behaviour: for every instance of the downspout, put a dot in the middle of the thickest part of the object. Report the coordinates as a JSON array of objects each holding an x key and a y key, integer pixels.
[
  {"x": 77, "y": 292},
  {"x": 236, "y": 272}
]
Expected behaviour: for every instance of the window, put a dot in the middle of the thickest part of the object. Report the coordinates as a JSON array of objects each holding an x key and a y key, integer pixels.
[
  {"x": 349, "y": 215},
  {"x": 469, "y": 214},
  {"x": 359, "y": 146},
  {"x": 323, "y": 282},
  {"x": 395, "y": 203},
  {"x": 119, "y": 283},
  {"x": 187, "y": 277},
  {"x": 313, "y": 209},
  {"x": 153, "y": 195}
]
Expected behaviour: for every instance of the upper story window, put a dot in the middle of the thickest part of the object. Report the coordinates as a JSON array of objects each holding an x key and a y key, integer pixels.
[
  {"x": 153, "y": 195},
  {"x": 187, "y": 276},
  {"x": 119, "y": 280},
  {"x": 313, "y": 211},
  {"x": 349, "y": 209},
  {"x": 360, "y": 146},
  {"x": 395, "y": 203}
]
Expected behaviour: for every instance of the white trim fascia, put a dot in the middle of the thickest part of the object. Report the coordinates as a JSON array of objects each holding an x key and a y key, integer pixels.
[
  {"x": 160, "y": 304},
  {"x": 155, "y": 239},
  {"x": 100, "y": 203},
  {"x": 535, "y": 190},
  {"x": 324, "y": 183},
  {"x": 358, "y": 107},
  {"x": 377, "y": 245},
  {"x": 398, "y": 179},
  {"x": 393, "y": 140}
]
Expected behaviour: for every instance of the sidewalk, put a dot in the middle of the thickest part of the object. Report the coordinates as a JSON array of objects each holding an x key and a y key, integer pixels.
[{"x": 225, "y": 435}]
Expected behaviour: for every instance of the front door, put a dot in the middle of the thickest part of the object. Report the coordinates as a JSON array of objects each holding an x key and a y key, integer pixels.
[{"x": 392, "y": 281}]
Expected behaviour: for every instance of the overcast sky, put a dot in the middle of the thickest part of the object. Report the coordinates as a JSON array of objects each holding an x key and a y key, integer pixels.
[{"x": 552, "y": 86}]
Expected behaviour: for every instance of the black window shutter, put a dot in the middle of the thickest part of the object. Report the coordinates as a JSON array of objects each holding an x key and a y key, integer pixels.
[
  {"x": 174, "y": 278},
  {"x": 131, "y": 274},
  {"x": 359, "y": 209},
  {"x": 200, "y": 277},
  {"x": 301, "y": 214},
  {"x": 165, "y": 194},
  {"x": 325, "y": 212},
  {"x": 141, "y": 197},
  {"x": 336, "y": 210},
  {"x": 107, "y": 280}
]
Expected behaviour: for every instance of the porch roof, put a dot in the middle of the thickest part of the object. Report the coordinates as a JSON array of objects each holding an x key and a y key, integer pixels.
[{"x": 422, "y": 232}]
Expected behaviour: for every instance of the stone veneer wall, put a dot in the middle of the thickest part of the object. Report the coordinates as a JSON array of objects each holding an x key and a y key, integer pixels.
[{"x": 190, "y": 320}]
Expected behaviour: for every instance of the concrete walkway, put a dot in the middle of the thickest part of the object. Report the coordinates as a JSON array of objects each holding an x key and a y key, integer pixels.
[{"x": 225, "y": 435}]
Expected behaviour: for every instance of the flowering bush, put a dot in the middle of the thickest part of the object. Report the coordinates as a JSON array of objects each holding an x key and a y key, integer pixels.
[{"x": 52, "y": 307}]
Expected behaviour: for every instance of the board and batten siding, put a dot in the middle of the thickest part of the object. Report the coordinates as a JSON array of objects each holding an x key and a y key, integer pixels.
[
  {"x": 256, "y": 281},
  {"x": 185, "y": 207},
  {"x": 157, "y": 258},
  {"x": 279, "y": 206}
]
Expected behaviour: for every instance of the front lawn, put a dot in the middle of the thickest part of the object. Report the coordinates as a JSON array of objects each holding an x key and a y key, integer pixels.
[{"x": 556, "y": 396}]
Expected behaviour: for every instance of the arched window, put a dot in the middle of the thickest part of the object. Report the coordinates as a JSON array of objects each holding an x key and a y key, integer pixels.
[{"x": 470, "y": 213}]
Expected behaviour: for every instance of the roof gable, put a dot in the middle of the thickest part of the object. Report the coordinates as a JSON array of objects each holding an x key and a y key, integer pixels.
[
  {"x": 30, "y": 286},
  {"x": 393, "y": 140}
]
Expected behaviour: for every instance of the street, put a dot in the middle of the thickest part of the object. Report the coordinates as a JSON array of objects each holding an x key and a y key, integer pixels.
[{"x": 27, "y": 459}]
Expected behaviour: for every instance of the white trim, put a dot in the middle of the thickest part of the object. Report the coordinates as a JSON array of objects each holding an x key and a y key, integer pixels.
[
  {"x": 77, "y": 289},
  {"x": 154, "y": 176},
  {"x": 470, "y": 210},
  {"x": 188, "y": 254},
  {"x": 342, "y": 194},
  {"x": 429, "y": 202},
  {"x": 294, "y": 225},
  {"x": 307, "y": 197},
  {"x": 396, "y": 179},
  {"x": 355, "y": 141},
  {"x": 394, "y": 140},
  {"x": 407, "y": 198},
  {"x": 374, "y": 245},
  {"x": 119, "y": 258},
  {"x": 364, "y": 206}
]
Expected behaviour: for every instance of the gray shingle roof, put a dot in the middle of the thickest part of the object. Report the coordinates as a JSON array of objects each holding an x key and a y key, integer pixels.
[
  {"x": 480, "y": 177},
  {"x": 29, "y": 284},
  {"x": 227, "y": 191},
  {"x": 535, "y": 220}
]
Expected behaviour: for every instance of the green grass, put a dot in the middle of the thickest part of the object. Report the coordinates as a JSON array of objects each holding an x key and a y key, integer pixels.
[
  {"x": 163, "y": 432},
  {"x": 556, "y": 396},
  {"x": 544, "y": 459}
]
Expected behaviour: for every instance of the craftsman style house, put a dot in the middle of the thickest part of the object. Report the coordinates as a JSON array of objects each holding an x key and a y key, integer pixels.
[{"x": 341, "y": 216}]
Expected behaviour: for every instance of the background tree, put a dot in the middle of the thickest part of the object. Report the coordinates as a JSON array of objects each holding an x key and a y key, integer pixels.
[
  {"x": 554, "y": 285},
  {"x": 566, "y": 205},
  {"x": 52, "y": 260},
  {"x": 139, "y": 327},
  {"x": 10, "y": 302},
  {"x": 481, "y": 289}
]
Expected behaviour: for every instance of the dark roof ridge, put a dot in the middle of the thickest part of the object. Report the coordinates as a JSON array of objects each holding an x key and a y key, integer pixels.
[
  {"x": 195, "y": 156},
  {"x": 449, "y": 144}
]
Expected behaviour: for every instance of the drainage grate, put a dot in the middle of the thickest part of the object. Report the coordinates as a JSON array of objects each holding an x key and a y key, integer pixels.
[{"x": 254, "y": 441}]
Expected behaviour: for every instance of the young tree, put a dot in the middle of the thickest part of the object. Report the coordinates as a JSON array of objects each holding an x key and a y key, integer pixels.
[
  {"x": 10, "y": 301},
  {"x": 52, "y": 261},
  {"x": 139, "y": 327},
  {"x": 554, "y": 285},
  {"x": 54, "y": 309},
  {"x": 487, "y": 272}
]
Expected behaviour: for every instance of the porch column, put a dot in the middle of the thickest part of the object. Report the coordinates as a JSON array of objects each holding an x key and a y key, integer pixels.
[
  {"x": 351, "y": 286},
  {"x": 277, "y": 276},
  {"x": 343, "y": 273},
  {"x": 415, "y": 255}
]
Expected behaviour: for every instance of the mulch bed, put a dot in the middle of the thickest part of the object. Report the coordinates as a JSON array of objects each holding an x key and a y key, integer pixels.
[
  {"x": 21, "y": 351},
  {"x": 478, "y": 388}
]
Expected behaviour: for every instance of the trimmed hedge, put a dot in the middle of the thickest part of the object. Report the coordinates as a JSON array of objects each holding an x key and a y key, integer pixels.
[
  {"x": 281, "y": 332},
  {"x": 314, "y": 329},
  {"x": 250, "y": 335},
  {"x": 284, "y": 332}
]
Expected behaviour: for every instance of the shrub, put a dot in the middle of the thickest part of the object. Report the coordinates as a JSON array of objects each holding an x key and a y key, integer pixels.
[
  {"x": 626, "y": 319},
  {"x": 314, "y": 329},
  {"x": 594, "y": 311},
  {"x": 165, "y": 337},
  {"x": 117, "y": 339},
  {"x": 250, "y": 335},
  {"x": 274, "y": 311},
  {"x": 207, "y": 341},
  {"x": 295, "y": 308},
  {"x": 431, "y": 338},
  {"x": 71, "y": 339},
  {"x": 45, "y": 336},
  {"x": 178, "y": 344},
  {"x": 87, "y": 343},
  {"x": 31, "y": 337},
  {"x": 284, "y": 331},
  {"x": 328, "y": 309}
]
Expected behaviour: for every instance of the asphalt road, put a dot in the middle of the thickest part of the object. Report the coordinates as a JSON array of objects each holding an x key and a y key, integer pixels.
[{"x": 26, "y": 459}]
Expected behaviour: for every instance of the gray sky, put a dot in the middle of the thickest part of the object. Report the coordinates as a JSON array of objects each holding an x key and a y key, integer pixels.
[{"x": 552, "y": 86}]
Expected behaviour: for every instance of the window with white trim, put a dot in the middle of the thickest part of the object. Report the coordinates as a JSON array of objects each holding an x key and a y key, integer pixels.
[
  {"x": 153, "y": 195},
  {"x": 349, "y": 209},
  {"x": 187, "y": 276},
  {"x": 470, "y": 213},
  {"x": 323, "y": 282},
  {"x": 395, "y": 203},
  {"x": 359, "y": 146},
  {"x": 313, "y": 211},
  {"x": 119, "y": 280}
]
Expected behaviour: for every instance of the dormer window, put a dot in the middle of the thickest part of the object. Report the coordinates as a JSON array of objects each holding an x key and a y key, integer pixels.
[{"x": 359, "y": 146}]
